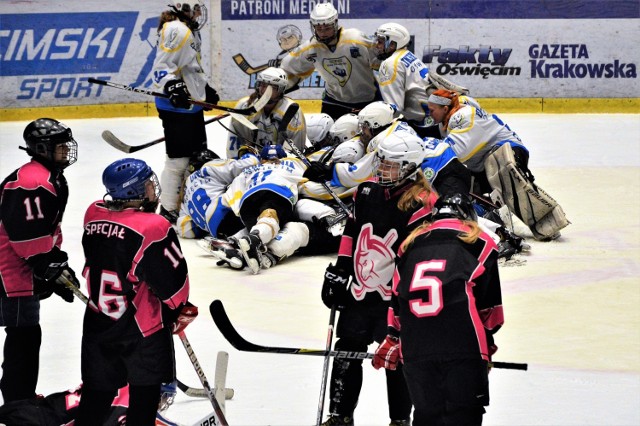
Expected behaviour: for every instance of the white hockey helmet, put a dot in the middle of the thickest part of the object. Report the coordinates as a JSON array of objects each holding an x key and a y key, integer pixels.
[
  {"x": 194, "y": 10},
  {"x": 348, "y": 152},
  {"x": 375, "y": 115},
  {"x": 393, "y": 32},
  {"x": 398, "y": 158},
  {"x": 345, "y": 128},
  {"x": 318, "y": 126},
  {"x": 289, "y": 37},
  {"x": 276, "y": 77},
  {"x": 324, "y": 14}
]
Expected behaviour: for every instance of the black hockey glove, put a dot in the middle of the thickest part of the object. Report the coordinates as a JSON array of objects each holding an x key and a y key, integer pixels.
[
  {"x": 61, "y": 289},
  {"x": 211, "y": 95},
  {"x": 318, "y": 172},
  {"x": 334, "y": 287},
  {"x": 178, "y": 93},
  {"x": 48, "y": 266}
]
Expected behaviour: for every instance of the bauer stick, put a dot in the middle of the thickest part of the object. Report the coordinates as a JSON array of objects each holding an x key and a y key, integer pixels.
[
  {"x": 118, "y": 144},
  {"x": 325, "y": 365},
  {"x": 243, "y": 64},
  {"x": 257, "y": 105},
  {"x": 294, "y": 108},
  {"x": 229, "y": 332}
]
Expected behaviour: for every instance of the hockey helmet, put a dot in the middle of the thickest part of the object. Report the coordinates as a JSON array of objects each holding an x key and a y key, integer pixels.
[
  {"x": 326, "y": 15},
  {"x": 388, "y": 33},
  {"x": 52, "y": 141},
  {"x": 126, "y": 180},
  {"x": 194, "y": 11},
  {"x": 272, "y": 152},
  {"x": 289, "y": 37},
  {"x": 318, "y": 126},
  {"x": 398, "y": 158},
  {"x": 199, "y": 159},
  {"x": 456, "y": 206},
  {"x": 344, "y": 128},
  {"x": 348, "y": 152},
  {"x": 276, "y": 77}
]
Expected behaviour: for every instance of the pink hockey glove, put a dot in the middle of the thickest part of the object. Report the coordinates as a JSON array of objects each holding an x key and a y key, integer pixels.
[{"x": 388, "y": 354}]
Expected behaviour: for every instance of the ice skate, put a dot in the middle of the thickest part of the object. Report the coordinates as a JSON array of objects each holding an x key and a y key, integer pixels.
[
  {"x": 226, "y": 252},
  {"x": 334, "y": 420},
  {"x": 252, "y": 249}
]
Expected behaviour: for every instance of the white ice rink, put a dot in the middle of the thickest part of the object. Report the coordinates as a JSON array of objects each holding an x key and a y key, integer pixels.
[{"x": 572, "y": 311}]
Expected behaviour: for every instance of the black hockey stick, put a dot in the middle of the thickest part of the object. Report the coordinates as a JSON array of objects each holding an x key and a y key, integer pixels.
[
  {"x": 293, "y": 108},
  {"x": 221, "y": 420},
  {"x": 325, "y": 365},
  {"x": 223, "y": 323},
  {"x": 243, "y": 64},
  {"x": 118, "y": 144},
  {"x": 257, "y": 105}
]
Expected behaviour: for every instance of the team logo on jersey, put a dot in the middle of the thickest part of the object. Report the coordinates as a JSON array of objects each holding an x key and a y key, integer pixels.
[
  {"x": 340, "y": 68},
  {"x": 374, "y": 263},
  {"x": 429, "y": 173},
  {"x": 355, "y": 52}
]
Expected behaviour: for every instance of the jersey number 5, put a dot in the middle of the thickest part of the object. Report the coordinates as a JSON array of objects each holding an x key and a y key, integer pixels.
[{"x": 421, "y": 281}]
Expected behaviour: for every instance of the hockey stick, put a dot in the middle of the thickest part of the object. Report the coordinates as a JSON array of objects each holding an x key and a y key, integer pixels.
[
  {"x": 293, "y": 108},
  {"x": 243, "y": 64},
  {"x": 221, "y": 420},
  {"x": 221, "y": 319},
  {"x": 325, "y": 366},
  {"x": 117, "y": 143},
  {"x": 201, "y": 393},
  {"x": 257, "y": 105}
]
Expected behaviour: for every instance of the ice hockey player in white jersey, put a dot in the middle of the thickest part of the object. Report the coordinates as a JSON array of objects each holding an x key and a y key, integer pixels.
[
  {"x": 318, "y": 137},
  {"x": 344, "y": 57},
  {"x": 178, "y": 72},
  {"x": 269, "y": 118}
]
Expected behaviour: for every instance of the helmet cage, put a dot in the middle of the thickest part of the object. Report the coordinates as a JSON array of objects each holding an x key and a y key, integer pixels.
[
  {"x": 194, "y": 11},
  {"x": 327, "y": 15},
  {"x": 275, "y": 77},
  {"x": 398, "y": 158}
]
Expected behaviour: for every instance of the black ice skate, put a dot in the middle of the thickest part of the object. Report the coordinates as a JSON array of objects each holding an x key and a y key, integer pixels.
[
  {"x": 334, "y": 420},
  {"x": 227, "y": 252},
  {"x": 252, "y": 249}
]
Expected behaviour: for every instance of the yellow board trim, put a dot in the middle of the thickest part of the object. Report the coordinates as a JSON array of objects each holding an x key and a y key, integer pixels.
[{"x": 493, "y": 105}]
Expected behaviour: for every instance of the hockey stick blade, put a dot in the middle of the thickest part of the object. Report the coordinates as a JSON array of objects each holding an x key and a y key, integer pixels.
[
  {"x": 200, "y": 392},
  {"x": 287, "y": 117},
  {"x": 207, "y": 105},
  {"x": 223, "y": 323},
  {"x": 243, "y": 64}
]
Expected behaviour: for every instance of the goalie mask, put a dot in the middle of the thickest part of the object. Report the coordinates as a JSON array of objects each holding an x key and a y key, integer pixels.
[
  {"x": 390, "y": 33},
  {"x": 455, "y": 206},
  {"x": 130, "y": 179},
  {"x": 398, "y": 158},
  {"x": 51, "y": 141},
  {"x": 192, "y": 11},
  {"x": 324, "y": 17}
]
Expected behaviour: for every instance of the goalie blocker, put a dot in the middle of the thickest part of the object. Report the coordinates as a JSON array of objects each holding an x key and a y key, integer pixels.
[{"x": 542, "y": 214}]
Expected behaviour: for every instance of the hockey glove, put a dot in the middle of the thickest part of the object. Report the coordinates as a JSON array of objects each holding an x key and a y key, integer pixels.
[
  {"x": 48, "y": 266},
  {"x": 246, "y": 150},
  {"x": 178, "y": 93},
  {"x": 61, "y": 289},
  {"x": 318, "y": 172},
  {"x": 334, "y": 287},
  {"x": 388, "y": 354},
  {"x": 187, "y": 314}
]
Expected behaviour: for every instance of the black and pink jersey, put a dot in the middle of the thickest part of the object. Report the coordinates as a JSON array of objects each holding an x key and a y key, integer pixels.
[
  {"x": 372, "y": 237},
  {"x": 447, "y": 301},
  {"x": 32, "y": 202},
  {"x": 135, "y": 271}
]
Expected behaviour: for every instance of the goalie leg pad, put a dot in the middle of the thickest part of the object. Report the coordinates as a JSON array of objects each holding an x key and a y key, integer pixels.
[
  {"x": 531, "y": 204},
  {"x": 171, "y": 180},
  {"x": 293, "y": 236}
]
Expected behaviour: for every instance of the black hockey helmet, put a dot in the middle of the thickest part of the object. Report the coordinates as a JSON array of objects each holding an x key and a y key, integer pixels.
[
  {"x": 199, "y": 159},
  {"x": 454, "y": 206},
  {"x": 44, "y": 135}
]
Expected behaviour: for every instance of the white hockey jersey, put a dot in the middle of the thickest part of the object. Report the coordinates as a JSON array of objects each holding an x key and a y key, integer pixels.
[
  {"x": 403, "y": 82},
  {"x": 346, "y": 69},
  {"x": 472, "y": 133},
  {"x": 267, "y": 125},
  {"x": 201, "y": 208},
  {"x": 281, "y": 178},
  {"x": 178, "y": 57}
]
